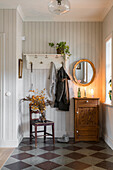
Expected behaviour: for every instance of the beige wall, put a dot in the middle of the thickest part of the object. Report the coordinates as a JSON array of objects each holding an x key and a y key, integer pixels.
[
  {"x": 107, "y": 111},
  {"x": 84, "y": 39}
]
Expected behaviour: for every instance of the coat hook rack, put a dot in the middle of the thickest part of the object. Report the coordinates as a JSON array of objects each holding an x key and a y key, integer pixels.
[{"x": 42, "y": 61}]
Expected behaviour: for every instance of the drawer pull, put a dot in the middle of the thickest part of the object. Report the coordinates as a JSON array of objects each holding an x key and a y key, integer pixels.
[
  {"x": 77, "y": 112},
  {"x": 77, "y": 131},
  {"x": 87, "y": 101}
]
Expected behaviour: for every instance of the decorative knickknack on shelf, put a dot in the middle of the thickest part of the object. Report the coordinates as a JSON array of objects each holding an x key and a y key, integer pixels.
[
  {"x": 79, "y": 92},
  {"x": 61, "y": 48}
]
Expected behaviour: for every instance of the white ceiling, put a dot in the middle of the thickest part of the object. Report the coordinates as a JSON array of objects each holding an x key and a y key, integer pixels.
[{"x": 81, "y": 10}]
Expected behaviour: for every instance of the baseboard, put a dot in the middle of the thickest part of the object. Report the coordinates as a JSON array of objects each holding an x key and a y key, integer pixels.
[
  {"x": 10, "y": 143},
  {"x": 108, "y": 140}
]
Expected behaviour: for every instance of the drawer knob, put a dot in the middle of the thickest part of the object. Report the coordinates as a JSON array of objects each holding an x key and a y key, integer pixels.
[
  {"x": 87, "y": 101},
  {"x": 77, "y": 131},
  {"x": 77, "y": 112}
]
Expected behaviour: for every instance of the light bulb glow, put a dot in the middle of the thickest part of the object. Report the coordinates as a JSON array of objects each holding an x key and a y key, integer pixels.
[{"x": 92, "y": 92}]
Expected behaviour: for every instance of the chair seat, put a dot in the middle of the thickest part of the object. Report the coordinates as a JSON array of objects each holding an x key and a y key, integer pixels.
[{"x": 39, "y": 123}]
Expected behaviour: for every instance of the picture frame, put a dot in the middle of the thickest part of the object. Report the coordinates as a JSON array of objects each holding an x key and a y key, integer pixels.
[{"x": 20, "y": 62}]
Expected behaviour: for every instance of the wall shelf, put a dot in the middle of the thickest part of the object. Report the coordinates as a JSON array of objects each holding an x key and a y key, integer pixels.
[{"x": 42, "y": 61}]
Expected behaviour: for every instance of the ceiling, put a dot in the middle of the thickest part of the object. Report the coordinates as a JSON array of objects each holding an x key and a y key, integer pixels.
[{"x": 81, "y": 10}]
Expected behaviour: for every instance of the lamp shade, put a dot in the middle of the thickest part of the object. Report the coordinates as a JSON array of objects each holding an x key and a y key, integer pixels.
[{"x": 59, "y": 6}]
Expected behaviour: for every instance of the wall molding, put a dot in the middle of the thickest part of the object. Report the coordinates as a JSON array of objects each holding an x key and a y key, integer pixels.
[
  {"x": 73, "y": 19},
  {"x": 9, "y": 143},
  {"x": 20, "y": 11},
  {"x": 108, "y": 140},
  {"x": 106, "y": 11}
]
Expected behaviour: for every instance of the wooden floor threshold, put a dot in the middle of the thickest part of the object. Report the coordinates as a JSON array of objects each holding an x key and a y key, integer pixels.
[{"x": 4, "y": 155}]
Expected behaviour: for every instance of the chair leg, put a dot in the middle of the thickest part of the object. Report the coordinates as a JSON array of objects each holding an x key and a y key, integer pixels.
[
  {"x": 44, "y": 134},
  {"x": 53, "y": 134},
  {"x": 30, "y": 133},
  {"x": 36, "y": 136}
]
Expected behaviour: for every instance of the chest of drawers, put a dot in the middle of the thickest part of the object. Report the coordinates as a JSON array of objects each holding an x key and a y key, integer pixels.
[{"x": 86, "y": 119}]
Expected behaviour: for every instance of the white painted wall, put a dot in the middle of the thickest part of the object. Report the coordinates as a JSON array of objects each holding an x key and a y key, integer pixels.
[
  {"x": 84, "y": 39},
  {"x": 107, "y": 111},
  {"x": 8, "y": 26},
  {"x": 11, "y": 26}
]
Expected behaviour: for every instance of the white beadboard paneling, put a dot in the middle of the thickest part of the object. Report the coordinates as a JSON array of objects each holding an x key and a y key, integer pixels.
[
  {"x": 8, "y": 26},
  {"x": 84, "y": 39}
]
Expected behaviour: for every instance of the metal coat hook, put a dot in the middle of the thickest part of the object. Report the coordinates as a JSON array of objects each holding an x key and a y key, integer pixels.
[
  {"x": 56, "y": 56},
  {"x": 35, "y": 56},
  {"x": 46, "y": 56},
  {"x": 31, "y": 66},
  {"x": 62, "y": 63}
]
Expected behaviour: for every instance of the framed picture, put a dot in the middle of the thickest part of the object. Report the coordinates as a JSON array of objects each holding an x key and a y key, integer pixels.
[{"x": 20, "y": 62}]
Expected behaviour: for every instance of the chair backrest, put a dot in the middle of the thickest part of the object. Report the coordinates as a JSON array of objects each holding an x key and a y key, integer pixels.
[{"x": 33, "y": 112}]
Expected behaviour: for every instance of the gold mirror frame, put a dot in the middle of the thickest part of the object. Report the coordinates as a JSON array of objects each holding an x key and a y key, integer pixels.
[{"x": 94, "y": 72}]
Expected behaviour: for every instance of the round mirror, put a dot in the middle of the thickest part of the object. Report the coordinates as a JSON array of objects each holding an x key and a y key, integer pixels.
[{"x": 84, "y": 72}]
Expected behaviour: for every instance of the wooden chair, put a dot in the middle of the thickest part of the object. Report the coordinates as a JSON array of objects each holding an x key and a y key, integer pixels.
[{"x": 35, "y": 122}]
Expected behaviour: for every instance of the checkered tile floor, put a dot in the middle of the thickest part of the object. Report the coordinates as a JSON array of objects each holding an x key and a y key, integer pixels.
[{"x": 78, "y": 156}]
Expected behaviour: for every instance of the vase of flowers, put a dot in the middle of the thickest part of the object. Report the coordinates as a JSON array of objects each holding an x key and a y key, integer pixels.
[{"x": 38, "y": 102}]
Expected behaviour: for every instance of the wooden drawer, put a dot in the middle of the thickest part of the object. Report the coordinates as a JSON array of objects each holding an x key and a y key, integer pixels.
[
  {"x": 87, "y": 135},
  {"x": 87, "y": 103}
]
